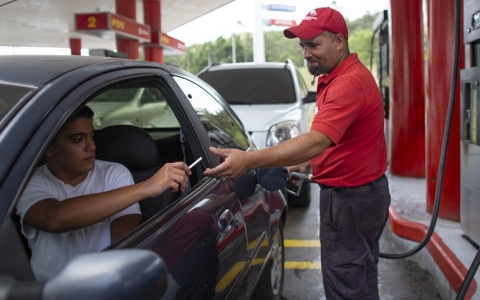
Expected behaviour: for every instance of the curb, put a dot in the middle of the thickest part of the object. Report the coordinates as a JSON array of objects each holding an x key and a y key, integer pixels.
[{"x": 451, "y": 267}]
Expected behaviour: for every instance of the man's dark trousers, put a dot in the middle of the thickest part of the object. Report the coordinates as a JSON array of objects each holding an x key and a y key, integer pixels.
[{"x": 351, "y": 223}]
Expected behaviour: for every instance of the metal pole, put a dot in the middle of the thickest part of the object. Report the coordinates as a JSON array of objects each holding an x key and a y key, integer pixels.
[
  {"x": 258, "y": 38},
  {"x": 234, "y": 50}
]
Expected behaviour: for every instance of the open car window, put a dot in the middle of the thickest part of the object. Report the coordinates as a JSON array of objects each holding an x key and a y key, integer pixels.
[{"x": 136, "y": 127}]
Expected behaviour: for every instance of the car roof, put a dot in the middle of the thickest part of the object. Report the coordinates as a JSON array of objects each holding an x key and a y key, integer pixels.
[
  {"x": 41, "y": 69},
  {"x": 246, "y": 65}
]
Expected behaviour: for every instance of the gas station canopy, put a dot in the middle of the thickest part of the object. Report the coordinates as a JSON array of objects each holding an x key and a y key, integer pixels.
[{"x": 51, "y": 23}]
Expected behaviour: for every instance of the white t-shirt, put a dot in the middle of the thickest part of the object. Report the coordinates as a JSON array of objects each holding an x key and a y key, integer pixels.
[{"x": 52, "y": 251}]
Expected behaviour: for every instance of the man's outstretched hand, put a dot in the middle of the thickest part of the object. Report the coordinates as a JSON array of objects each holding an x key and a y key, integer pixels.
[{"x": 234, "y": 164}]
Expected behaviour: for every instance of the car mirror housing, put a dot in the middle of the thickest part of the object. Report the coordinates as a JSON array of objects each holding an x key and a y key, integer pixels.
[
  {"x": 311, "y": 97},
  {"x": 272, "y": 179},
  {"x": 113, "y": 274}
]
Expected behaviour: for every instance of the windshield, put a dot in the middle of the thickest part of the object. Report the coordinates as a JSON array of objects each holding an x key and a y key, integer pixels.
[{"x": 252, "y": 86}]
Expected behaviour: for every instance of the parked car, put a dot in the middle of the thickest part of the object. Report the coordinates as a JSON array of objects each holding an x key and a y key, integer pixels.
[
  {"x": 220, "y": 239},
  {"x": 271, "y": 99},
  {"x": 143, "y": 107}
]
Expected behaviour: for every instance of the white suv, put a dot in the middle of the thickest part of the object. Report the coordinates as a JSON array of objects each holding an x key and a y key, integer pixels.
[{"x": 271, "y": 99}]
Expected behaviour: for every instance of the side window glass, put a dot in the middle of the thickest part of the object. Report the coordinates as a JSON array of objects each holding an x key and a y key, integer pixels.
[
  {"x": 151, "y": 95},
  {"x": 137, "y": 105},
  {"x": 220, "y": 125}
]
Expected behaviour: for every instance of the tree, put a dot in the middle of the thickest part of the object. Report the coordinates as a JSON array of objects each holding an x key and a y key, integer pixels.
[
  {"x": 365, "y": 22},
  {"x": 277, "y": 47},
  {"x": 360, "y": 43}
]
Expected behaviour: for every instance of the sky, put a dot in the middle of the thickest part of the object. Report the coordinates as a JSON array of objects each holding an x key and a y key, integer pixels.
[{"x": 237, "y": 17}]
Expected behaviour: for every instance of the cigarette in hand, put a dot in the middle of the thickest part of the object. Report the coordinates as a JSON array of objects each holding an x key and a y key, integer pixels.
[{"x": 194, "y": 163}]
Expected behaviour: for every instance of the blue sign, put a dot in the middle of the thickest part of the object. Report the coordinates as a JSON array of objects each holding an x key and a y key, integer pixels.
[{"x": 279, "y": 7}]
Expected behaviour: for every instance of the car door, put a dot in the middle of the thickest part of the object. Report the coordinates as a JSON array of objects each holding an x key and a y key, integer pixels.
[
  {"x": 184, "y": 231},
  {"x": 249, "y": 210},
  {"x": 210, "y": 236},
  {"x": 224, "y": 253}
]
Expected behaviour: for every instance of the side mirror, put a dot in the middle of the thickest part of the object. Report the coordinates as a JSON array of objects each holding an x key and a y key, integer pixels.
[
  {"x": 113, "y": 274},
  {"x": 311, "y": 97},
  {"x": 272, "y": 179}
]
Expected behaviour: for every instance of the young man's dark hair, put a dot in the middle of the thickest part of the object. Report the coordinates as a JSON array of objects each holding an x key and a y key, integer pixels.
[{"x": 84, "y": 112}]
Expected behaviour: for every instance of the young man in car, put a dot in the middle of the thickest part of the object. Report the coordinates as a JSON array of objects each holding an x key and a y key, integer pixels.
[
  {"x": 346, "y": 149},
  {"x": 75, "y": 204}
]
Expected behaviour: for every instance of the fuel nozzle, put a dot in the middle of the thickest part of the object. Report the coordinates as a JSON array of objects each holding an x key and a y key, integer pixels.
[
  {"x": 302, "y": 176},
  {"x": 295, "y": 182}
]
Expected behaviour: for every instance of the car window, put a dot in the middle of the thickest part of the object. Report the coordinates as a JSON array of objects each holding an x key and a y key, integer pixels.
[
  {"x": 136, "y": 127},
  {"x": 252, "y": 86},
  {"x": 10, "y": 97},
  {"x": 222, "y": 129},
  {"x": 138, "y": 105}
]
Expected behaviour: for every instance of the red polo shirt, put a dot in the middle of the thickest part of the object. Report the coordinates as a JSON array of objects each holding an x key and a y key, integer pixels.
[{"x": 350, "y": 112}]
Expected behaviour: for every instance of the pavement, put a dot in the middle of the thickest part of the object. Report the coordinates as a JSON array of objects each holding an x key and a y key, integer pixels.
[{"x": 447, "y": 256}]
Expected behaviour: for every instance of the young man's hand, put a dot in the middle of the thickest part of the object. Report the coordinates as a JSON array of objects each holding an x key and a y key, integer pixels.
[{"x": 172, "y": 176}]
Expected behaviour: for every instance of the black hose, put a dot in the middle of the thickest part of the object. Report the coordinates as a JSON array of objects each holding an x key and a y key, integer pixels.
[
  {"x": 468, "y": 279},
  {"x": 446, "y": 136}
]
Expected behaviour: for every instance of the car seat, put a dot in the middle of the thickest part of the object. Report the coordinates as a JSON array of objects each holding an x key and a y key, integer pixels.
[{"x": 134, "y": 148}]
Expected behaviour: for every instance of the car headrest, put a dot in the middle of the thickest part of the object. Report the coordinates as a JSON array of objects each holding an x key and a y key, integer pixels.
[{"x": 128, "y": 145}]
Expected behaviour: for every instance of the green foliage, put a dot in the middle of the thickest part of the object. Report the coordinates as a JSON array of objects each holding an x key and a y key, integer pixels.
[
  {"x": 365, "y": 22},
  {"x": 277, "y": 47},
  {"x": 360, "y": 43}
]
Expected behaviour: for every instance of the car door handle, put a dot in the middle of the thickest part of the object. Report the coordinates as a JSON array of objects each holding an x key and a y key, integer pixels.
[{"x": 225, "y": 221}]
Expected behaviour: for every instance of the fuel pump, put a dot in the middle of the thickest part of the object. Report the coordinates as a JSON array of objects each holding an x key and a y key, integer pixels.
[
  {"x": 469, "y": 135},
  {"x": 380, "y": 28},
  {"x": 470, "y": 118},
  {"x": 381, "y": 31}
]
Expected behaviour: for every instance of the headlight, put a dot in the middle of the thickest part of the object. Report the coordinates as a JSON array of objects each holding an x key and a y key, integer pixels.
[{"x": 282, "y": 132}]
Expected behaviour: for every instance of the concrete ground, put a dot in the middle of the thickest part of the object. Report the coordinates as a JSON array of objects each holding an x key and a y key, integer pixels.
[
  {"x": 447, "y": 256},
  {"x": 399, "y": 279}
]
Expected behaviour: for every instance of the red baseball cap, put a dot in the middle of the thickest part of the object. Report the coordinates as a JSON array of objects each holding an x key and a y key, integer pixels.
[{"x": 316, "y": 22}]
